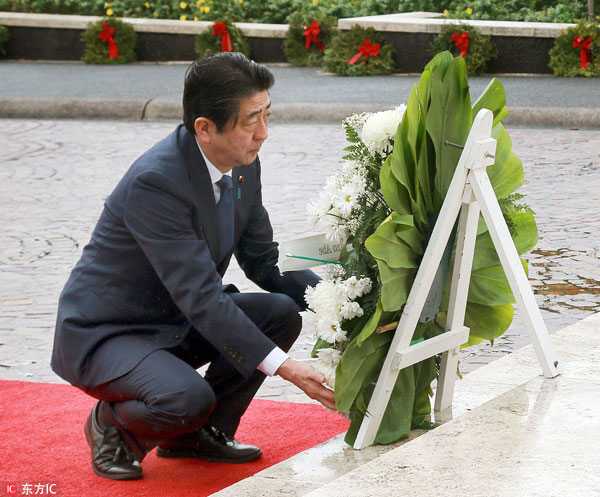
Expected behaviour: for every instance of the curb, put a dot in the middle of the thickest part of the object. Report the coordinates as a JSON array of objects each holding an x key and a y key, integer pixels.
[{"x": 168, "y": 110}]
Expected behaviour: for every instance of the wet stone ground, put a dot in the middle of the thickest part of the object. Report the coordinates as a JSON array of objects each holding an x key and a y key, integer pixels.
[{"x": 54, "y": 176}]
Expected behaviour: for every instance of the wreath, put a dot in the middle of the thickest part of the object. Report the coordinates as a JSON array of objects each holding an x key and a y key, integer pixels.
[
  {"x": 359, "y": 52},
  {"x": 4, "y": 36},
  {"x": 465, "y": 41},
  {"x": 576, "y": 51},
  {"x": 222, "y": 36},
  {"x": 383, "y": 204},
  {"x": 109, "y": 41},
  {"x": 307, "y": 37}
]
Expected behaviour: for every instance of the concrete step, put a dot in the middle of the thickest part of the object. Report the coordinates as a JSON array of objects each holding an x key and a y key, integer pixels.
[{"x": 510, "y": 432}]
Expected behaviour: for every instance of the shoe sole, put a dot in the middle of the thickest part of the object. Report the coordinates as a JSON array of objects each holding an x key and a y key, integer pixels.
[
  {"x": 181, "y": 454},
  {"x": 88, "y": 437}
]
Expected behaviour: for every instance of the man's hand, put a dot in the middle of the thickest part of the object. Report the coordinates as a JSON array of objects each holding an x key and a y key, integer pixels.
[{"x": 309, "y": 380}]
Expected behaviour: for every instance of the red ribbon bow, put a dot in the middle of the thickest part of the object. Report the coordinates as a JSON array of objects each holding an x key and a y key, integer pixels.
[
  {"x": 367, "y": 49},
  {"x": 107, "y": 35},
  {"x": 585, "y": 54},
  {"x": 220, "y": 29},
  {"x": 312, "y": 36},
  {"x": 461, "y": 41}
]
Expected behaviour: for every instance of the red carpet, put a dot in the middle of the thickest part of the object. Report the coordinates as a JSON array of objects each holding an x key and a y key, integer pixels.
[{"x": 42, "y": 442}]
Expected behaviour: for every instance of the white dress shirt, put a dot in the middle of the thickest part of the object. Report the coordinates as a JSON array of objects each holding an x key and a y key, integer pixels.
[{"x": 276, "y": 357}]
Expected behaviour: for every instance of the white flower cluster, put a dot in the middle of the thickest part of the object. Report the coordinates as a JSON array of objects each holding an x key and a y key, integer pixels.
[
  {"x": 337, "y": 203},
  {"x": 332, "y": 301},
  {"x": 379, "y": 130}
]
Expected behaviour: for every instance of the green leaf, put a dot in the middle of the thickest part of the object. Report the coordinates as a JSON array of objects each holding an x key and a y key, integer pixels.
[
  {"x": 506, "y": 174},
  {"x": 358, "y": 367},
  {"x": 395, "y": 285},
  {"x": 494, "y": 99},
  {"x": 384, "y": 245},
  {"x": 371, "y": 325},
  {"x": 526, "y": 238},
  {"x": 395, "y": 194},
  {"x": 489, "y": 286},
  {"x": 448, "y": 119},
  {"x": 487, "y": 322}
]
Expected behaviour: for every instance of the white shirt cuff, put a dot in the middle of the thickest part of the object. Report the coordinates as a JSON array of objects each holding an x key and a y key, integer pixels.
[{"x": 271, "y": 363}]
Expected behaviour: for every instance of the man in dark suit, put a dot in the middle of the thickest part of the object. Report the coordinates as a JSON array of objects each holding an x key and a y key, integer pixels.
[{"x": 145, "y": 307}]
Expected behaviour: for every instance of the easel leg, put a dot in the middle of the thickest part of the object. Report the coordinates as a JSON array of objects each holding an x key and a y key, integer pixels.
[
  {"x": 459, "y": 290},
  {"x": 513, "y": 269}
]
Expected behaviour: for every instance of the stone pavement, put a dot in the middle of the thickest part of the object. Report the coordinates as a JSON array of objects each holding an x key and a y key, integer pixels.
[{"x": 54, "y": 176}]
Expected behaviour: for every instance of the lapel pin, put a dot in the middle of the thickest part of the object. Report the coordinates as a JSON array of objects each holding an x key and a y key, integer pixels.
[{"x": 240, "y": 179}]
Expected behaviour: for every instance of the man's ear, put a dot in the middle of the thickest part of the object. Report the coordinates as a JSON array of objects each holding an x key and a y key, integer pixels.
[{"x": 204, "y": 128}]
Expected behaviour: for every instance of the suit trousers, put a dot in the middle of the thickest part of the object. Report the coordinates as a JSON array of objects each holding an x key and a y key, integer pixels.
[{"x": 164, "y": 396}]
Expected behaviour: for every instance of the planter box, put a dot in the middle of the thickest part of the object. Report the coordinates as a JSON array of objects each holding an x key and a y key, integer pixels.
[
  {"x": 523, "y": 47},
  {"x": 58, "y": 37}
]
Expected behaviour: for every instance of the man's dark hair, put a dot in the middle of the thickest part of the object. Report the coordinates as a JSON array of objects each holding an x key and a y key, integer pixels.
[{"x": 215, "y": 85}]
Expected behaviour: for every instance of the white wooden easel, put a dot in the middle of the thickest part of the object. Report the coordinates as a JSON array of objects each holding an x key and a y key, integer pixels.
[{"x": 470, "y": 192}]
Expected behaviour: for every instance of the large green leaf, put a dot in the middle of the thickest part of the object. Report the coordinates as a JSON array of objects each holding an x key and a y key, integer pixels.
[
  {"x": 395, "y": 285},
  {"x": 359, "y": 365},
  {"x": 448, "y": 119},
  {"x": 506, "y": 174},
  {"x": 396, "y": 195},
  {"x": 371, "y": 325},
  {"x": 384, "y": 245},
  {"x": 494, "y": 99},
  {"x": 526, "y": 238},
  {"x": 489, "y": 286},
  {"x": 487, "y": 322}
]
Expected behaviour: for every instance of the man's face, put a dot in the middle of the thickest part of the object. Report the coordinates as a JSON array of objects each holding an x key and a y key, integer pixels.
[{"x": 240, "y": 145}]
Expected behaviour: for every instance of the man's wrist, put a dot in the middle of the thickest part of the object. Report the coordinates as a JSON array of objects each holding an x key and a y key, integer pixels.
[{"x": 273, "y": 361}]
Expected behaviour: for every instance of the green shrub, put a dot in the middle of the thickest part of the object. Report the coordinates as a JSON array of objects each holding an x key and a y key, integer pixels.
[
  {"x": 97, "y": 51},
  {"x": 346, "y": 45},
  {"x": 295, "y": 39},
  {"x": 4, "y": 36},
  {"x": 520, "y": 10},
  {"x": 207, "y": 43},
  {"x": 565, "y": 58},
  {"x": 480, "y": 51}
]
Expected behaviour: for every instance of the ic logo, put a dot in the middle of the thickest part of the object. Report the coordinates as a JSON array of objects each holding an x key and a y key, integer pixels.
[{"x": 11, "y": 488}]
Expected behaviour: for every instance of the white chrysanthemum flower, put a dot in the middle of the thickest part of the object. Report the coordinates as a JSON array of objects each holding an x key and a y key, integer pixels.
[
  {"x": 326, "y": 363},
  {"x": 379, "y": 129},
  {"x": 329, "y": 356},
  {"x": 355, "y": 287},
  {"x": 351, "y": 310},
  {"x": 331, "y": 331}
]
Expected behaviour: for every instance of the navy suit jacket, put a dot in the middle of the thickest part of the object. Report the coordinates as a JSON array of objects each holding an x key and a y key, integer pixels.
[{"x": 150, "y": 271}]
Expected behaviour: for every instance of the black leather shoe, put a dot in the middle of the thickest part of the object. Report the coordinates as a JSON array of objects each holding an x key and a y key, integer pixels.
[
  {"x": 209, "y": 444},
  {"x": 111, "y": 456}
]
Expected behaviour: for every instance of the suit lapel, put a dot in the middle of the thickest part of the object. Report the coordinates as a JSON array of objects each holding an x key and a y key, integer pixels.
[{"x": 203, "y": 191}]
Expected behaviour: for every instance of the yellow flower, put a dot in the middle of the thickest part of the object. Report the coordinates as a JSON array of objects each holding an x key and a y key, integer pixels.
[
  {"x": 199, "y": 3},
  {"x": 107, "y": 5},
  {"x": 147, "y": 5},
  {"x": 182, "y": 18},
  {"x": 110, "y": 12},
  {"x": 183, "y": 5},
  {"x": 155, "y": 13},
  {"x": 196, "y": 19},
  {"x": 445, "y": 12},
  {"x": 469, "y": 10},
  {"x": 315, "y": 2},
  {"x": 205, "y": 9}
]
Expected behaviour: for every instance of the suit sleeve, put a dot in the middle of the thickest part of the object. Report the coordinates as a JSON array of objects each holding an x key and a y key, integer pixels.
[
  {"x": 159, "y": 218},
  {"x": 257, "y": 255}
]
